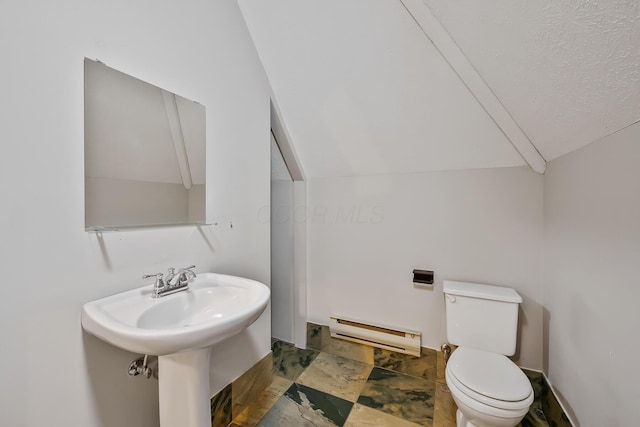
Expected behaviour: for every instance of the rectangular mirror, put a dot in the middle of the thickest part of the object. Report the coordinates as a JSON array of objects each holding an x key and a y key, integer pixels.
[{"x": 144, "y": 151}]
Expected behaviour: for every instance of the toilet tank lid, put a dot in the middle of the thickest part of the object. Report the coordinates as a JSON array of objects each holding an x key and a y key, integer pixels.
[{"x": 477, "y": 290}]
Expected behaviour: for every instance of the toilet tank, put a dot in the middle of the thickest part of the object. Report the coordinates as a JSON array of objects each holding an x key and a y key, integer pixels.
[{"x": 483, "y": 317}]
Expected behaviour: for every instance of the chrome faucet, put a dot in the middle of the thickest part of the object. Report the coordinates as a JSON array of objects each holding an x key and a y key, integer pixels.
[
  {"x": 174, "y": 282},
  {"x": 170, "y": 274},
  {"x": 182, "y": 277}
]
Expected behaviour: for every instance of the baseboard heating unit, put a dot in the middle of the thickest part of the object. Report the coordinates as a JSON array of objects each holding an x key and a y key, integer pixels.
[{"x": 394, "y": 339}]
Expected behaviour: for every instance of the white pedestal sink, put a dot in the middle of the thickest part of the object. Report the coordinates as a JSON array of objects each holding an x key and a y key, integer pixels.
[{"x": 180, "y": 329}]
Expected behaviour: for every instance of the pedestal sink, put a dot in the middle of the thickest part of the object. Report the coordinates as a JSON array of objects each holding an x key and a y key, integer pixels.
[{"x": 180, "y": 329}]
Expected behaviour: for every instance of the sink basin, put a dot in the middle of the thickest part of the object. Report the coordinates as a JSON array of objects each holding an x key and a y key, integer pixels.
[
  {"x": 215, "y": 307},
  {"x": 180, "y": 329}
]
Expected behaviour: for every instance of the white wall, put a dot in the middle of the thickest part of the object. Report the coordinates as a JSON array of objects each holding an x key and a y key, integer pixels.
[
  {"x": 51, "y": 372},
  {"x": 367, "y": 234},
  {"x": 591, "y": 292}
]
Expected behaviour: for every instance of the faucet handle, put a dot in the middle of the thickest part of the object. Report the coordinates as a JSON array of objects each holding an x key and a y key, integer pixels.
[
  {"x": 158, "y": 276},
  {"x": 186, "y": 273}
]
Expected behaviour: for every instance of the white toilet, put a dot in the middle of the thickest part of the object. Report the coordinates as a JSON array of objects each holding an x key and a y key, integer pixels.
[{"x": 489, "y": 389}]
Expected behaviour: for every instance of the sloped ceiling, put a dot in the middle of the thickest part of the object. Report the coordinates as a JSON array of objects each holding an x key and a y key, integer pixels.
[
  {"x": 363, "y": 91},
  {"x": 567, "y": 71}
]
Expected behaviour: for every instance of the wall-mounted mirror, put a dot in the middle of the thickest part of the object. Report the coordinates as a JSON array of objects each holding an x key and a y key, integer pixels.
[{"x": 144, "y": 153}]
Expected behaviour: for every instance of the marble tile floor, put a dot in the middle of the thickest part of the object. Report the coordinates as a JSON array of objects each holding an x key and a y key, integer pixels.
[{"x": 314, "y": 388}]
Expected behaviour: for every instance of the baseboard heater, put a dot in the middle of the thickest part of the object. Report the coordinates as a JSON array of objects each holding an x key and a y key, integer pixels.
[{"x": 394, "y": 339}]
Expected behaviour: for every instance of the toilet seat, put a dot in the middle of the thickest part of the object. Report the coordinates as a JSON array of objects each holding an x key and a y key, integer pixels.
[
  {"x": 490, "y": 379},
  {"x": 474, "y": 408}
]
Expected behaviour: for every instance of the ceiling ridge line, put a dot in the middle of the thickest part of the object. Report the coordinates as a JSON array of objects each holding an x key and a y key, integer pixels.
[{"x": 477, "y": 86}]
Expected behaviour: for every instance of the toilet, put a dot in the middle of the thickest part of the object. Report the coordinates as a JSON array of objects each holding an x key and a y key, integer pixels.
[{"x": 489, "y": 389}]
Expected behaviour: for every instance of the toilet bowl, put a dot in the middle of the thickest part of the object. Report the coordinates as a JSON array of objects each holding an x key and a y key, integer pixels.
[{"x": 489, "y": 389}]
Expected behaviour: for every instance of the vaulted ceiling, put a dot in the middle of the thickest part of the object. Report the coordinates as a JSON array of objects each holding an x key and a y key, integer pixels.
[
  {"x": 364, "y": 87},
  {"x": 567, "y": 71}
]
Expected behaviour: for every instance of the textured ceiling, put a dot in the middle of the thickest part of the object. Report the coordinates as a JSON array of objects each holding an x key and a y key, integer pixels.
[{"x": 567, "y": 71}]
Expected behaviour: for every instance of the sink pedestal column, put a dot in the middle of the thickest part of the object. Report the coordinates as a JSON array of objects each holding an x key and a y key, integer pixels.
[{"x": 183, "y": 388}]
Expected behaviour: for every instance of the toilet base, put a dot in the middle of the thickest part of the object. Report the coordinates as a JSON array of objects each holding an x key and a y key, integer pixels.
[
  {"x": 462, "y": 421},
  {"x": 486, "y": 421}
]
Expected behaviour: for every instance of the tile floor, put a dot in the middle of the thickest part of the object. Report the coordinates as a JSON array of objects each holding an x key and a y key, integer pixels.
[{"x": 314, "y": 388}]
